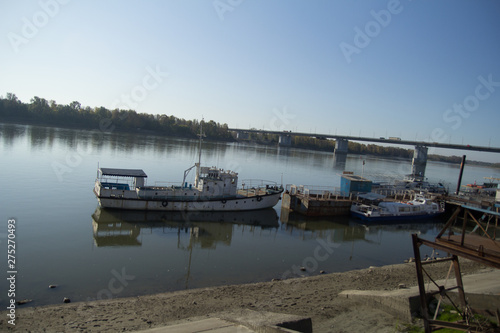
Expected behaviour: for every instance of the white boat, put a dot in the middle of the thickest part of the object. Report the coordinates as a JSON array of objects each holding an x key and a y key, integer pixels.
[
  {"x": 213, "y": 190},
  {"x": 420, "y": 207}
]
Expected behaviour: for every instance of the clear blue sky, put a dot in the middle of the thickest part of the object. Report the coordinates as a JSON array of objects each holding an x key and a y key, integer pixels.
[{"x": 425, "y": 70}]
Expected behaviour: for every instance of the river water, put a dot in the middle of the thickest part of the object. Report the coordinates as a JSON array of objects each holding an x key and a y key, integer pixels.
[{"x": 62, "y": 238}]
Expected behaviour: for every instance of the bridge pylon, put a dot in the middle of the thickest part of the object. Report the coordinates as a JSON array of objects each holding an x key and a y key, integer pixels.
[
  {"x": 341, "y": 146},
  {"x": 285, "y": 140},
  {"x": 419, "y": 161}
]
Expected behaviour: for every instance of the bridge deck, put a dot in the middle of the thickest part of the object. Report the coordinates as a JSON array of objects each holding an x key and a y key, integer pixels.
[{"x": 380, "y": 140}]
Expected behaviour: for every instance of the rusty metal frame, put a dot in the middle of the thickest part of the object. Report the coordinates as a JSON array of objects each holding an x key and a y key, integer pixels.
[{"x": 457, "y": 249}]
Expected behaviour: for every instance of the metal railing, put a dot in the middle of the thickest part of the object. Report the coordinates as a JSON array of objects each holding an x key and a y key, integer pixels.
[{"x": 321, "y": 192}]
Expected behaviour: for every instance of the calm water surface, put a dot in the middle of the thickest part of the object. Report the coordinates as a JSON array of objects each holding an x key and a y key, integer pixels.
[{"x": 63, "y": 238}]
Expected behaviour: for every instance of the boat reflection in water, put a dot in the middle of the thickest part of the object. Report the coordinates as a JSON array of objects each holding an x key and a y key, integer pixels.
[
  {"x": 123, "y": 228},
  {"x": 201, "y": 240},
  {"x": 346, "y": 228},
  {"x": 375, "y": 241},
  {"x": 336, "y": 229}
]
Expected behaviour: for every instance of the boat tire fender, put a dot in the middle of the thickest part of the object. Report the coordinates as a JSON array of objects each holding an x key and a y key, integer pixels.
[
  {"x": 164, "y": 203},
  {"x": 223, "y": 201},
  {"x": 259, "y": 198}
]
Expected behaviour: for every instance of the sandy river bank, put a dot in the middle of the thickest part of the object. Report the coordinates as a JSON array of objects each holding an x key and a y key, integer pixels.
[{"x": 315, "y": 297}]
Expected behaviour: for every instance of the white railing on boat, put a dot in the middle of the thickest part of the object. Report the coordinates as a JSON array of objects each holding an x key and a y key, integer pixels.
[
  {"x": 168, "y": 184},
  {"x": 391, "y": 192},
  {"x": 119, "y": 180},
  {"x": 323, "y": 192},
  {"x": 251, "y": 187},
  {"x": 257, "y": 183}
]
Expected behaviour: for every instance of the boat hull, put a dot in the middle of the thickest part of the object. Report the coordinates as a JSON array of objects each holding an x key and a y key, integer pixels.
[
  {"x": 226, "y": 204},
  {"x": 393, "y": 217}
]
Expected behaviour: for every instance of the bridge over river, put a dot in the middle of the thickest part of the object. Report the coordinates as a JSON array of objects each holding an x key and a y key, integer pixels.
[{"x": 419, "y": 161}]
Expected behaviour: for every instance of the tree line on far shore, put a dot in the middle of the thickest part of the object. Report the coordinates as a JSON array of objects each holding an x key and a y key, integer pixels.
[{"x": 73, "y": 115}]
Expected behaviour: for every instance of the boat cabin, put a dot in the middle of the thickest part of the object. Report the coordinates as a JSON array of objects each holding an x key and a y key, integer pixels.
[
  {"x": 214, "y": 181},
  {"x": 121, "y": 179},
  {"x": 350, "y": 183}
]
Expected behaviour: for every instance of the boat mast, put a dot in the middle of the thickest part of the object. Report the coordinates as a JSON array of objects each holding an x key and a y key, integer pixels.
[
  {"x": 198, "y": 165},
  {"x": 200, "y": 135}
]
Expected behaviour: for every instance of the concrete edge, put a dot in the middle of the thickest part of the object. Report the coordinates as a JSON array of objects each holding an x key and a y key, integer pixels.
[
  {"x": 400, "y": 305},
  {"x": 481, "y": 291},
  {"x": 268, "y": 322}
]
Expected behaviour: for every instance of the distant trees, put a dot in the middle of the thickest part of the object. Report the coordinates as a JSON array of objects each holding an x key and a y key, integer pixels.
[
  {"x": 11, "y": 106},
  {"x": 264, "y": 138},
  {"x": 371, "y": 149},
  {"x": 313, "y": 143},
  {"x": 42, "y": 112}
]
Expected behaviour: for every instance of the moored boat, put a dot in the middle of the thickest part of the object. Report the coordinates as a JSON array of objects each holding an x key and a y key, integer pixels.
[
  {"x": 213, "y": 189},
  {"x": 418, "y": 208}
]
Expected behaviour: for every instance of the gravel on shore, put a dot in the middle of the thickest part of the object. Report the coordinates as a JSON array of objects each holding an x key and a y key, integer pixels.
[{"x": 315, "y": 297}]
